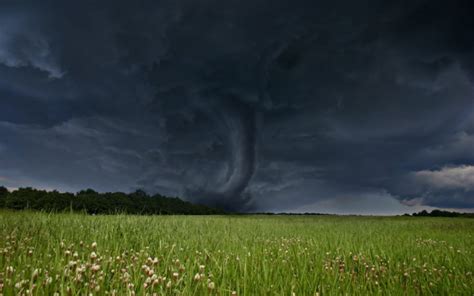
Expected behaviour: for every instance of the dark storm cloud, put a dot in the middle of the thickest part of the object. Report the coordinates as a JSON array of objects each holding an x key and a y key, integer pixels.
[{"x": 248, "y": 105}]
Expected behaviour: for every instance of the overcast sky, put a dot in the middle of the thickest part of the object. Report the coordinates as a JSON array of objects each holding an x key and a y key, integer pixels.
[{"x": 251, "y": 105}]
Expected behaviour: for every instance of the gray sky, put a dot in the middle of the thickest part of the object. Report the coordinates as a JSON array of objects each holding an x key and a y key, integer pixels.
[{"x": 323, "y": 106}]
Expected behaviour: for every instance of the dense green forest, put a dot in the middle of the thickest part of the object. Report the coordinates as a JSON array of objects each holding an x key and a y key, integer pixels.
[{"x": 92, "y": 202}]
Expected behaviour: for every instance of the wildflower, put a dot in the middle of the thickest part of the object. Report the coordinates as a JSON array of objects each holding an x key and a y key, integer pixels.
[
  {"x": 149, "y": 261},
  {"x": 211, "y": 286},
  {"x": 10, "y": 269},
  {"x": 94, "y": 245},
  {"x": 95, "y": 267},
  {"x": 81, "y": 269},
  {"x": 148, "y": 280},
  {"x": 234, "y": 293},
  {"x": 175, "y": 276},
  {"x": 78, "y": 278},
  {"x": 93, "y": 256},
  {"x": 197, "y": 277},
  {"x": 48, "y": 281},
  {"x": 201, "y": 268}
]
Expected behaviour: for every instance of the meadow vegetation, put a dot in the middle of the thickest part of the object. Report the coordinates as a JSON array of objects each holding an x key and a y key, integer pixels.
[{"x": 78, "y": 254}]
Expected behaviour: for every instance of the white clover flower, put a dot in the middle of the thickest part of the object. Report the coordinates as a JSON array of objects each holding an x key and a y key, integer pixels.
[
  {"x": 197, "y": 277},
  {"x": 211, "y": 286},
  {"x": 95, "y": 267}
]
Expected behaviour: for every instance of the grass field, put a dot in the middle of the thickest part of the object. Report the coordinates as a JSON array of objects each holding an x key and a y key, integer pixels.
[{"x": 73, "y": 254}]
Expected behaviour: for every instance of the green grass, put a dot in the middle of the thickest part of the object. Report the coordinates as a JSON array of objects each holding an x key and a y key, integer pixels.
[{"x": 252, "y": 255}]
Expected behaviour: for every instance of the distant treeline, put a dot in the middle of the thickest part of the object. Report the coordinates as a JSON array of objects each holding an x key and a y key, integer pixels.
[
  {"x": 440, "y": 213},
  {"x": 138, "y": 202},
  {"x": 92, "y": 202}
]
